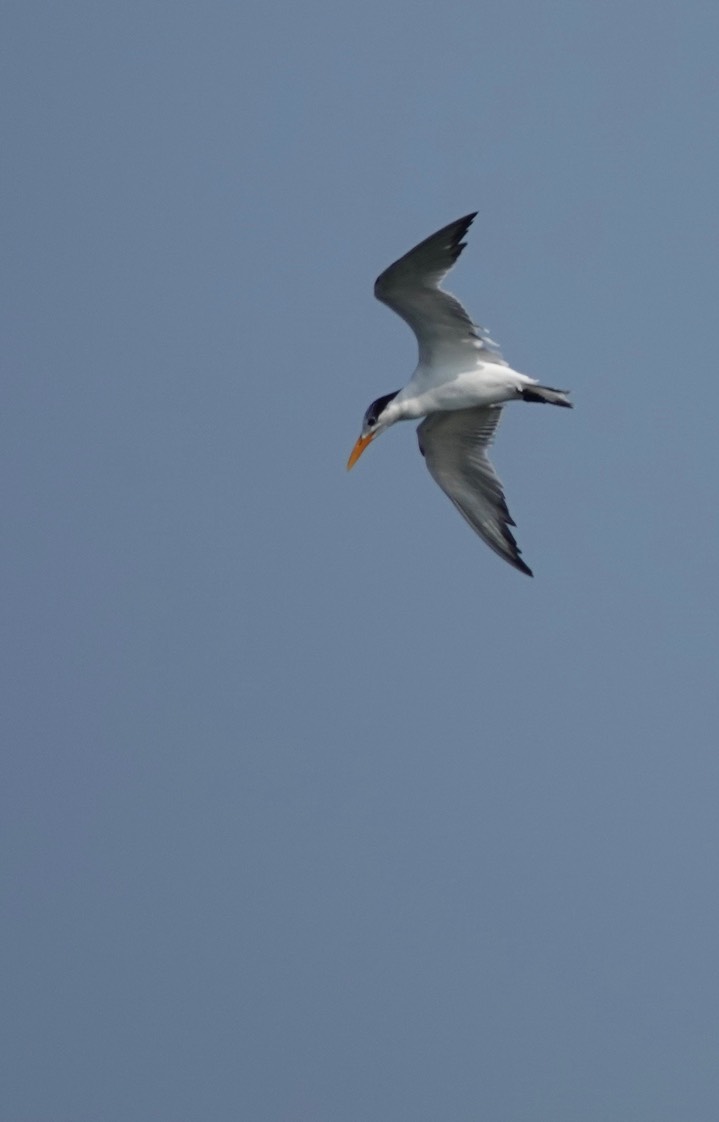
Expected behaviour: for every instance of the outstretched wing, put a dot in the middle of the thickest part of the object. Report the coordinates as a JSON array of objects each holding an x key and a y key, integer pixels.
[
  {"x": 454, "y": 445},
  {"x": 411, "y": 288}
]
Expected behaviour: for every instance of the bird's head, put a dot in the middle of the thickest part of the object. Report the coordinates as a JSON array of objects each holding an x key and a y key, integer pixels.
[{"x": 375, "y": 421}]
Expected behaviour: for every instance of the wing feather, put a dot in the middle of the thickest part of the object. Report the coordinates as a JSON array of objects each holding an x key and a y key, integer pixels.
[
  {"x": 454, "y": 445},
  {"x": 411, "y": 287}
]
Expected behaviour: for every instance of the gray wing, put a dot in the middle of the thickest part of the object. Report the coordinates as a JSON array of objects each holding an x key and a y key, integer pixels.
[
  {"x": 454, "y": 445},
  {"x": 411, "y": 288}
]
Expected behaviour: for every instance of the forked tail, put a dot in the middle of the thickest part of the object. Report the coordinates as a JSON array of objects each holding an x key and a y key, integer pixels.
[{"x": 547, "y": 396}]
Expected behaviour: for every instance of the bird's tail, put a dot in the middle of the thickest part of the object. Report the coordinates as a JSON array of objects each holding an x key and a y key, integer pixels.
[{"x": 547, "y": 396}]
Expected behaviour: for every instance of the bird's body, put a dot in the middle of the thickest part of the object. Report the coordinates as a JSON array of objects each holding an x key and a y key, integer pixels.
[
  {"x": 487, "y": 384},
  {"x": 459, "y": 386}
]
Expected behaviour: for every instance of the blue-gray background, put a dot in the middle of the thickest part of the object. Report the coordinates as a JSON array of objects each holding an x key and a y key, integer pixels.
[{"x": 313, "y": 809}]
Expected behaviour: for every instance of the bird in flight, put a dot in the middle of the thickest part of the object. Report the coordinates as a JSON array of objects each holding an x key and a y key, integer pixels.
[{"x": 459, "y": 387}]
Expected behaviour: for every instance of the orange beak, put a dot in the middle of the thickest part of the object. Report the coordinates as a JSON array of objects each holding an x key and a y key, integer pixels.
[{"x": 358, "y": 449}]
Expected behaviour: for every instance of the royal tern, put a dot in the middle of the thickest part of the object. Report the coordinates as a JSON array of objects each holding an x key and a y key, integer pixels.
[{"x": 459, "y": 387}]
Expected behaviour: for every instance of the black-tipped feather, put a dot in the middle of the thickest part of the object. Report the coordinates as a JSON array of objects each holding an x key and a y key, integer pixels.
[
  {"x": 454, "y": 445},
  {"x": 411, "y": 288}
]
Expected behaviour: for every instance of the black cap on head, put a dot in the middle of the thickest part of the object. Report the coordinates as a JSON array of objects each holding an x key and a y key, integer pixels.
[{"x": 377, "y": 408}]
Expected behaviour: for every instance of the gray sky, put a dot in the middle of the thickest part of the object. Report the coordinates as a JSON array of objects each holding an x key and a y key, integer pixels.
[{"x": 313, "y": 809}]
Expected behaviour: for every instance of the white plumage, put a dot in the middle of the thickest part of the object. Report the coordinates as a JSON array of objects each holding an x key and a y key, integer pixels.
[{"x": 459, "y": 386}]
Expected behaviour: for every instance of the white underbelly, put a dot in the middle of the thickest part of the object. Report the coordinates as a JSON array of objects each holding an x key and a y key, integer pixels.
[{"x": 488, "y": 385}]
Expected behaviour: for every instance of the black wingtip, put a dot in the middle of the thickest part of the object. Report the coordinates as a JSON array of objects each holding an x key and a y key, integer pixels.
[
  {"x": 516, "y": 562},
  {"x": 463, "y": 224},
  {"x": 457, "y": 232},
  {"x": 513, "y": 554}
]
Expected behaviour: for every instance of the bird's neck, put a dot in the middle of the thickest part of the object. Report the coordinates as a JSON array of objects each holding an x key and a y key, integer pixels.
[{"x": 404, "y": 407}]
